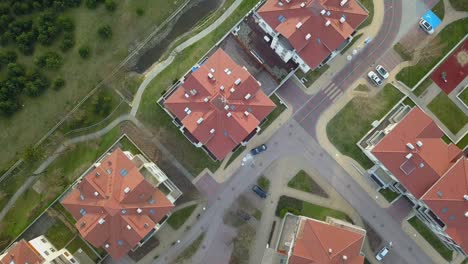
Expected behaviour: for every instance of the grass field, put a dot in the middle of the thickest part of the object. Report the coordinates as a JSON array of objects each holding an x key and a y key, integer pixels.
[
  {"x": 448, "y": 112},
  {"x": 369, "y": 5},
  {"x": 234, "y": 155},
  {"x": 464, "y": 96},
  {"x": 309, "y": 210},
  {"x": 423, "y": 87},
  {"x": 40, "y": 114},
  {"x": 264, "y": 183},
  {"x": 355, "y": 119},
  {"x": 194, "y": 159},
  {"x": 431, "y": 238},
  {"x": 388, "y": 194},
  {"x": 443, "y": 43},
  {"x": 301, "y": 181},
  {"x": 190, "y": 250},
  {"x": 463, "y": 142},
  {"x": 312, "y": 75},
  {"x": 274, "y": 114},
  {"x": 178, "y": 218},
  {"x": 59, "y": 234},
  {"x": 459, "y": 5},
  {"x": 405, "y": 54},
  {"x": 439, "y": 9}
]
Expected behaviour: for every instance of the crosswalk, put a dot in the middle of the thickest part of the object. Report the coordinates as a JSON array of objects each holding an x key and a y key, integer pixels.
[{"x": 332, "y": 92}]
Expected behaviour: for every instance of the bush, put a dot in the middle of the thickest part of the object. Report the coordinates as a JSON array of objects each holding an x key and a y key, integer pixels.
[
  {"x": 32, "y": 154},
  {"x": 7, "y": 57},
  {"x": 68, "y": 41},
  {"x": 286, "y": 210},
  {"x": 105, "y": 32},
  {"x": 110, "y": 5},
  {"x": 92, "y": 4},
  {"x": 66, "y": 23},
  {"x": 140, "y": 12},
  {"x": 58, "y": 84},
  {"x": 84, "y": 52},
  {"x": 50, "y": 60}
]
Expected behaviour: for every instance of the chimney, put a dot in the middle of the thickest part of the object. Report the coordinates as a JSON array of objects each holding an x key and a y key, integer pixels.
[
  {"x": 247, "y": 96},
  {"x": 298, "y": 25},
  {"x": 410, "y": 146},
  {"x": 238, "y": 81},
  {"x": 139, "y": 211},
  {"x": 200, "y": 120},
  {"x": 96, "y": 194},
  {"x": 303, "y": 4},
  {"x": 466, "y": 214},
  {"x": 343, "y": 2},
  {"x": 221, "y": 88},
  {"x": 323, "y": 12},
  {"x": 328, "y": 23},
  {"x": 146, "y": 225},
  {"x": 330, "y": 251},
  {"x": 129, "y": 227},
  {"x": 465, "y": 197},
  {"x": 210, "y": 75},
  {"x": 226, "y": 107},
  {"x": 127, "y": 190},
  {"x": 409, "y": 156},
  {"x": 101, "y": 221},
  {"x": 212, "y": 131},
  {"x": 229, "y": 114},
  {"x": 345, "y": 258},
  {"x": 83, "y": 224},
  {"x": 232, "y": 90},
  {"x": 246, "y": 113},
  {"x": 342, "y": 19},
  {"x": 212, "y": 70},
  {"x": 186, "y": 95},
  {"x": 206, "y": 99},
  {"x": 107, "y": 245},
  {"x": 307, "y": 37},
  {"x": 419, "y": 143},
  {"x": 98, "y": 174}
]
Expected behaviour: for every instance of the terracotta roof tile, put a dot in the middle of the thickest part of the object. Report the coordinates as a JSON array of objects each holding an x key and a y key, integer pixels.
[
  {"x": 446, "y": 198},
  {"x": 106, "y": 204},
  {"x": 209, "y": 105},
  {"x": 324, "y": 39},
  {"x": 427, "y": 163},
  {"x": 315, "y": 238},
  {"x": 22, "y": 252}
]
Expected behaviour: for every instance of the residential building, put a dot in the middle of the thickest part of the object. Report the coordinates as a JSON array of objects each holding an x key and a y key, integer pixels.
[
  {"x": 306, "y": 240},
  {"x": 219, "y": 105},
  {"x": 121, "y": 201},
  {"x": 37, "y": 251},
  {"x": 414, "y": 160},
  {"x": 310, "y": 32}
]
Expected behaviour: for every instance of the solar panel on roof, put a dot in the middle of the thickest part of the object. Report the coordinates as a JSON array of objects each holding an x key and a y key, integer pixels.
[
  {"x": 444, "y": 210},
  {"x": 451, "y": 218},
  {"x": 120, "y": 242},
  {"x": 123, "y": 172},
  {"x": 249, "y": 109},
  {"x": 319, "y": 41},
  {"x": 281, "y": 18},
  {"x": 225, "y": 133}
]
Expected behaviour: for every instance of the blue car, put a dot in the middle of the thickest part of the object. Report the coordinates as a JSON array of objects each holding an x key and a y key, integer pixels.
[
  {"x": 258, "y": 150},
  {"x": 259, "y": 191}
]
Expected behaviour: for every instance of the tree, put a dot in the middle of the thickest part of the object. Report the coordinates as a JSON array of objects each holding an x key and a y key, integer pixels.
[
  {"x": 7, "y": 57},
  {"x": 66, "y": 23},
  {"x": 36, "y": 83},
  {"x": 105, "y": 32},
  {"x": 92, "y": 4},
  {"x": 48, "y": 28},
  {"x": 84, "y": 52},
  {"x": 9, "y": 107},
  {"x": 110, "y": 5},
  {"x": 32, "y": 154},
  {"x": 68, "y": 41},
  {"x": 50, "y": 60},
  {"x": 58, "y": 84},
  {"x": 140, "y": 12}
]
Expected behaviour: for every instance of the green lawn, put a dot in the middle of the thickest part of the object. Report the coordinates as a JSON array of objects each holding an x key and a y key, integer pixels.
[
  {"x": 59, "y": 234},
  {"x": 431, "y": 238},
  {"x": 302, "y": 181},
  {"x": 369, "y": 5},
  {"x": 178, "y": 218},
  {"x": 459, "y": 5},
  {"x": 446, "y": 139},
  {"x": 78, "y": 243},
  {"x": 190, "y": 250},
  {"x": 234, "y": 155},
  {"x": 308, "y": 209},
  {"x": 464, "y": 96},
  {"x": 448, "y": 112},
  {"x": 463, "y": 142},
  {"x": 437, "y": 48},
  {"x": 362, "y": 88},
  {"x": 439, "y": 9},
  {"x": 312, "y": 76},
  {"x": 274, "y": 114},
  {"x": 355, "y": 119},
  {"x": 127, "y": 145},
  {"x": 40, "y": 114},
  {"x": 405, "y": 54},
  {"x": 409, "y": 102},
  {"x": 465, "y": 261},
  {"x": 388, "y": 194},
  {"x": 355, "y": 38},
  {"x": 264, "y": 183},
  {"x": 423, "y": 87}
]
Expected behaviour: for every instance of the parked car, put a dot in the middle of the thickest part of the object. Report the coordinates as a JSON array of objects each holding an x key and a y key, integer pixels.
[
  {"x": 382, "y": 253},
  {"x": 382, "y": 71},
  {"x": 259, "y": 191},
  {"x": 374, "y": 78},
  {"x": 258, "y": 150},
  {"x": 426, "y": 26}
]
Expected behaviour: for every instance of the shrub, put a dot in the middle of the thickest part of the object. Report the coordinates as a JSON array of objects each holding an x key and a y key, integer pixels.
[
  {"x": 286, "y": 210},
  {"x": 84, "y": 52},
  {"x": 92, "y": 4},
  {"x": 32, "y": 154},
  {"x": 105, "y": 32},
  {"x": 50, "y": 60},
  {"x": 110, "y": 5},
  {"x": 68, "y": 41},
  {"x": 140, "y": 12},
  {"x": 58, "y": 84}
]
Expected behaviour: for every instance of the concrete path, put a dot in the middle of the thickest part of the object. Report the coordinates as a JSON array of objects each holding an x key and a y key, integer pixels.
[{"x": 159, "y": 67}]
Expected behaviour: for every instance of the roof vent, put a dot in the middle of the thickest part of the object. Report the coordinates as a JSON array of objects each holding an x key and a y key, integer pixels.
[
  {"x": 238, "y": 81},
  {"x": 466, "y": 214},
  {"x": 210, "y": 75},
  {"x": 206, "y": 99},
  {"x": 146, "y": 225},
  {"x": 328, "y": 23},
  {"x": 308, "y": 36},
  {"x": 83, "y": 224},
  {"x": 410, "y": 146},
  {"x": 299, "y": 25},
  {"x": 409, "y": 156},
  {"x": 421, "y": 165},
  {"x": 107, "y": 246},
  {"x": 246, "y": 113},
  {"x": 465, "y": 197},
  {"x": 342, "y": 19},
  {"x": 200, "y": 120},
  {"x": 193, "y": 91},
  {"x": 345, "y": 257},
  {"x": 232, "y": 90},
  {"x": 96, "y": 194},
  {"x": 187, "y": 110},
  {"x": 343, "y": 2},
  {"x": 212, "y": 70},
  {"x": 212, "y": 131},
  {"x": 139, "y": 211},
  {"x": 186, "y": 95},
  {"x": 127, "y": 190},
  {"x": 419, "y": 143},
  {"x": 98, "y": 174},
  {"x": 221, "y": 88},
  {"x": 227, "y": 71},
  {"x": 303, "y": 4},
  {"x": 330, "y": 251},
  {"x": 323, "y": 12},
  {"x": 81, "y": 197},
  {"x": 229, "y": 114},
  {"x": 101, "y": 221},
  {"x": 280, "y": 3},
  {"x": 247, "y": 96},
  {"x": 129, "y": 227},
  {"x": 328, "y": 13}
]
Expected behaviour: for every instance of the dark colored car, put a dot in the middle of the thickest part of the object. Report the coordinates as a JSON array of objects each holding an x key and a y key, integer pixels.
[
  {"x": 258, "y": 150},
  {"x": 259, "y": 191}
]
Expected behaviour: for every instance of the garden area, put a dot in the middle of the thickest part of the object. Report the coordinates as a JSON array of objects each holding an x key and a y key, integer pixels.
[
  {"x": 431, "y": 238},
  {"x": 303, "y": 182},
  {"x": 353, "y": 121},
  {"x": 448, "y": 112},
  {"x": 388, "y": 194},
  {"x": 292, "y": 205},
  {"x": 311, "y": 76},
  {"x": 179, "y": 217},
  {"x": 445, "y": 40}
]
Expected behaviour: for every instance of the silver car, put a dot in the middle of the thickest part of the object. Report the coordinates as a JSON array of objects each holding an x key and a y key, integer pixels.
[
  {"x": 426, "y": 26},
  {"x": 374, "y": 78},
  {"x": 382, "y": 71},
  {"x": 382, "y": 253}
]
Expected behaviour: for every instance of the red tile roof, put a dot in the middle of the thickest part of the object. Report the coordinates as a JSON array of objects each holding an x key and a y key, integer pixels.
[
  {"x": 22, "y": 252},
  {"x": 446, "y": 198},
  {"x": 315, "y": 238},
  {"x": 427, "y": 163},
  {"x": 455, "y": 67},
  {"x": 324, "y": 39},
  {"x": 207, "y": 119},
  {"x": 107, "y": 204}
]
